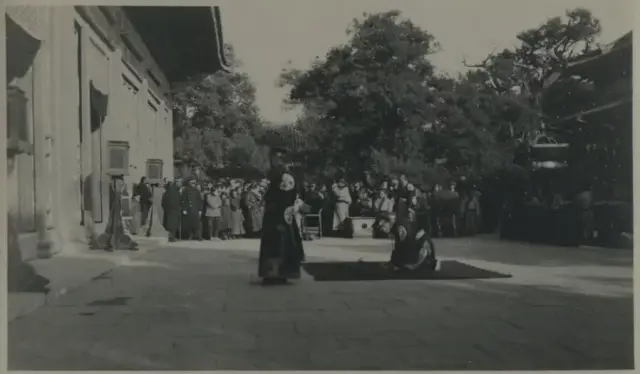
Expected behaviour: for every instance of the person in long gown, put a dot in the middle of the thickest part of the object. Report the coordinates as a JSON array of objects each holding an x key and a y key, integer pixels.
[
  {"x": 172, "y": 210},
  {"x": 281, "y": 250},
  {"x": 143, "y": 194},
  {"x": 212, "y": 213},
  {"x": 343, "y": 202},
  {"x": 191, "y": 211},
  {"x": 328, "y": 208},
  {"x": 115, "y": 236},
  {"x": 225, "y": 217},
  {"x": 237, "y": 218},
  {"x": 244, "y": 207}
]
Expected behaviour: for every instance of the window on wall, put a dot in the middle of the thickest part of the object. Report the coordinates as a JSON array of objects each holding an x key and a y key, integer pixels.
[
  {"x": 155, "y": 170},
  {"x": 118, "y": 158}
]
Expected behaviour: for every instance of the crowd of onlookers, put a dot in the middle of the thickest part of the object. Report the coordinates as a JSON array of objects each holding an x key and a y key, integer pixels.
[
  {"x": 451, "y": 209},
  {"x": 213, "y": 210},
  {"x": 229, "y": 208}
]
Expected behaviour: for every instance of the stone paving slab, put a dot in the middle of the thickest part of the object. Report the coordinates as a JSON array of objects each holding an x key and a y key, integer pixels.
[
  {"x": 56, "y": 270},
  {"x": 68, "y": 271},
  {"x": 197, "y": 309}
]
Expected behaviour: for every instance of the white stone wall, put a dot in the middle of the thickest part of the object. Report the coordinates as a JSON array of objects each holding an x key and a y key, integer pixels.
[{"x": 57, "y": 123}]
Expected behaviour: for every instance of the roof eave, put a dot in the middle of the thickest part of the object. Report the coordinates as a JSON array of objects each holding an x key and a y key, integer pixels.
[
  {"x": 220, "y": 50},
  {"x": 614, "y": 105}
]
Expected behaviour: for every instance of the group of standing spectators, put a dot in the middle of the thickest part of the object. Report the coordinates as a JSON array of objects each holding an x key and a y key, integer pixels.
[
  {"x": 213, "y": 210},
  {"x": 234, "y": 208},
  {"x": 452, "y": 209}
]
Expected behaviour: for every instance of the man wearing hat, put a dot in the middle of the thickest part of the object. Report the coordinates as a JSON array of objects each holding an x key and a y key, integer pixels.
[
  {"x": 281, "y": 250},
  {"x": 191, "y": 211},
  {"x": 171, "y": 206}
]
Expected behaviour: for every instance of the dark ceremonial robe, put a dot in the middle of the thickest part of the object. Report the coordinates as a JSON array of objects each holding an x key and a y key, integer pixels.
[
  {"x": 114, "y": 236},
  {"x": 281, "y": 250},
  {"x": 191, "y": 201},
  {"x": 405, "y": 251},
  {"x": 171, "y": 205}
]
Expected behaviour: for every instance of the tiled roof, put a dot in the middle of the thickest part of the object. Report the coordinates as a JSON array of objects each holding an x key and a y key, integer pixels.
[{"x": 626, "y": 41}]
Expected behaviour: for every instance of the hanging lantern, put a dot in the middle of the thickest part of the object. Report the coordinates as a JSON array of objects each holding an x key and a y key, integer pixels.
[{"x": 547, "y": 153}]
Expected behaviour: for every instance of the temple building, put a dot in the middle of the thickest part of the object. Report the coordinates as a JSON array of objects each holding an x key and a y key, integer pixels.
[
  {"x": 598, "y": 123},
  {"x": 601, "y": 121},
  {"x": 89, "y": 97}
]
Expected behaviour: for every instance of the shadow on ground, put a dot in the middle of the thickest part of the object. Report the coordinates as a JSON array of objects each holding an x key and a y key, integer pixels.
[{"x": 22, "y": 276}]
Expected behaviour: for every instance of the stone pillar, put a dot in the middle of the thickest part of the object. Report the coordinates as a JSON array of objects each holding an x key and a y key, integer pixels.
[
  {"x": 42, "y": 140},
  {"x": 96, "y": 177},
  {"x": 65, "y": 97},
  {"x": 113, "y": 121},
  {"x": 57, "y": 52},
  {"x": 140, "y": 145},
  {"x": 85, "y": 147},
  {"x": 168, "y": 155},
  {"x": 4, "y": 258}
]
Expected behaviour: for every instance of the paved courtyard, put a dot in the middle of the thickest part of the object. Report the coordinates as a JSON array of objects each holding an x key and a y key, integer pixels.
[{"x": 197, "y": 306}]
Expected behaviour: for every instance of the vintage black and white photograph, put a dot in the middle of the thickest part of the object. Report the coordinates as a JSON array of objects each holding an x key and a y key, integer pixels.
[{"x": 320, "y": 185}]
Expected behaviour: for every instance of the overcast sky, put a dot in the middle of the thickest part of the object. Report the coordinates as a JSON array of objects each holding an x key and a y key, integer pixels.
[{"x": 267, "y": 34}]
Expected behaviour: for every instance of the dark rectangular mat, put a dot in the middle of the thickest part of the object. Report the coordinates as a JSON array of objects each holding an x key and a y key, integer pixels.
[{"x": 375, "y": 271}]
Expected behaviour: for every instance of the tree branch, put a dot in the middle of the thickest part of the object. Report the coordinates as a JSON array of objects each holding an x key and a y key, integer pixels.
[{"x": 484, "y": 65}]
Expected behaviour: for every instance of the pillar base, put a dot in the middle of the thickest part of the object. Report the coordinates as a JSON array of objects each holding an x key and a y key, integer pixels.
[
  {"x": 108, "y": 241},
  {"x": 44, "y": 249}
]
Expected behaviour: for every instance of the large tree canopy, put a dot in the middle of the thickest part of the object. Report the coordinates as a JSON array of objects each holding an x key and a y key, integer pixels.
[
  {"x": 520, "y": 73},
  {"x": 367, "y": 94},
  {"x": 376, "y": 101},
  {"x": 217, "y": 120}
]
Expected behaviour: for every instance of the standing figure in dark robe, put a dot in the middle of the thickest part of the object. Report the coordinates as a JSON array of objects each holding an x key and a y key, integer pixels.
[
  {"x": 246, "y": 224},
  {"x": 225, "y": 216},
  {"x": 115, "y": 236},
  {"x": 447, "y": 204},
  {"x": 472, "y": 213},
  {"x": 172, "y": 210},
  {"x": 143, "y": 192},
  {"x": 424, "y": 211},
  {"x": 237, "y": 218},
  {"x": 281, "y": 250},
  {"x": 328, "y": 207},
  {"x": 191, "y": 200}
]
